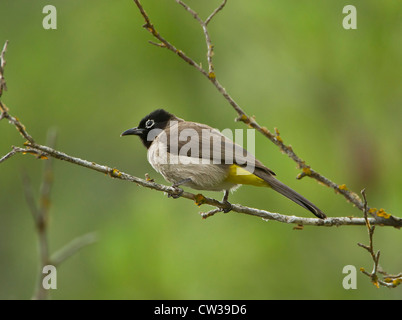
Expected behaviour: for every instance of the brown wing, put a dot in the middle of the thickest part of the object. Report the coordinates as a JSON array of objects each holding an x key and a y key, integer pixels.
[{"x": 198, "y": 140}]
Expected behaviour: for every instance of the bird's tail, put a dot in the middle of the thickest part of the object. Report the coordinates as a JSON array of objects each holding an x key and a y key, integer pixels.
[{"x": 294, "y": 196}]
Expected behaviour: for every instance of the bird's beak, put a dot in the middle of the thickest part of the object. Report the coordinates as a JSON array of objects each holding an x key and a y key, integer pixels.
[{"x": 133, "y": 131}]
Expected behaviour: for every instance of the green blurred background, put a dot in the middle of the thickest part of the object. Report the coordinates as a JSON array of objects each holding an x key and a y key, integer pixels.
[{"x": 334, "y": 94}]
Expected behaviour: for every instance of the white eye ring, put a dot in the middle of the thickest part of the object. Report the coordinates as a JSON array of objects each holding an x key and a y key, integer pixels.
[{"x": 149, "y": 124}]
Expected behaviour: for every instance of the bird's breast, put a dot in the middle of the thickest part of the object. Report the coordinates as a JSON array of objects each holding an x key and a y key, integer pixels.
[{"x": 174, "y": 168}]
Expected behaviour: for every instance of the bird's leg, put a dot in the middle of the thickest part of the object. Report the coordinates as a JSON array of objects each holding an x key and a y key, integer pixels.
[
  {"x": 226, "y": 202},
  {"x": 179, "y": 190}
]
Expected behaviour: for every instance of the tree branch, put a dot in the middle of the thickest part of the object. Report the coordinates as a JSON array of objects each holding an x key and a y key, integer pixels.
[
  {"x": 3, "y": 85},
  {"x": 40, "y": 214},
  {"x": 204, "y": 24},
  {"x": 389, "y": 280},
  {"x": 72, "y": 247}
]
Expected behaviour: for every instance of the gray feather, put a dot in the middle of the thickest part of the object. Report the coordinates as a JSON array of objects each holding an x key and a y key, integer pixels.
[{"x": 283, "y": 189}]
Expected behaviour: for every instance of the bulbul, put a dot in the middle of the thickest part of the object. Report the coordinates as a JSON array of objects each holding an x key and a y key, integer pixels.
[{"x": 197, "y": 156}]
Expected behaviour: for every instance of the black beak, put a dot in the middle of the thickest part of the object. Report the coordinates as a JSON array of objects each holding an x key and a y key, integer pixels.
[{"x": 133, "y": 131}]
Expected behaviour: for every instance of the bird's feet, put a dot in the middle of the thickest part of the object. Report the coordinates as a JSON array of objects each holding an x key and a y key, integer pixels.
[
  {"x": 228, "y": 205},
  {"x": 179, "y": 191}
]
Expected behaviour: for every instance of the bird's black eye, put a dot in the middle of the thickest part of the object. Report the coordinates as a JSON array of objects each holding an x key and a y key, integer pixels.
[{"x": 149, "y": 124}]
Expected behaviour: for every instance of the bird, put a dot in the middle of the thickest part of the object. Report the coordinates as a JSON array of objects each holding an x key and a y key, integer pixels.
[{"x": 198, "y": 156}]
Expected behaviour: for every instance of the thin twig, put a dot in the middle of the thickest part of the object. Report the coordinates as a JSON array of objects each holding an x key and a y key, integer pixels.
[
  {"x": 210, "y": 213},
  {"x": 375, "y": 256},
  {"x": 210, "y": 47},
  {"x": 71, "y": 248},
  {"x": 20, "y": 127},
  {"x": 40, "y": 214},
  {"x": 15, "y": 150},
  {"x": 43, "y": 247},
  {"x": 215, "y": 12},
  {"x": 3, "y": 85},
  {"x": 8, "y": 155},
  {"x": 166, "y": 44},
  {"x": 29, "y": 197}
]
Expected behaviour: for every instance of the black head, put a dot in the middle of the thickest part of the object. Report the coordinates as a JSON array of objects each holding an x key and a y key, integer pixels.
[{"x": 154, "y": 122}]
